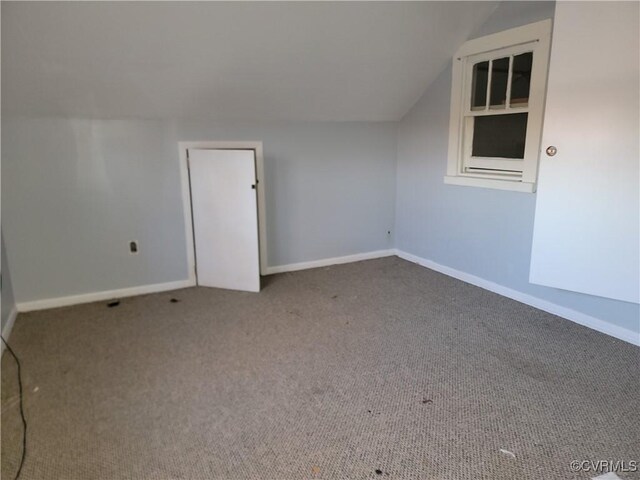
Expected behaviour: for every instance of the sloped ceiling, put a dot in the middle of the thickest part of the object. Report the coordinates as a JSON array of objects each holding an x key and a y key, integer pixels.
[{"x": 302, "y": 61}]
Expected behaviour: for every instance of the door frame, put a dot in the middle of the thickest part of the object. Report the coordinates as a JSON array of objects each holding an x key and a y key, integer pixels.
[{"x": 183, "y": 147}]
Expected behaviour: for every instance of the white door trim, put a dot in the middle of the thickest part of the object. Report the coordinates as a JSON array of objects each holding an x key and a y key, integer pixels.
[{"x": 186, "y": 196}]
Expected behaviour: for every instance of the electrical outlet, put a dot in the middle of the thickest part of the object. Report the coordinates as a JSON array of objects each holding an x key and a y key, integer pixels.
[{"x": 133, "y": 247}]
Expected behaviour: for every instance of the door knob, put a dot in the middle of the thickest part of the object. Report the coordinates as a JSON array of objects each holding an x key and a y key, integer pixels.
[{"x": 551, "y": 150}]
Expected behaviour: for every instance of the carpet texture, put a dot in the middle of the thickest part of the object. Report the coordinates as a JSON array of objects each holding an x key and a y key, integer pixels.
[{"x": 377, "y": 369}]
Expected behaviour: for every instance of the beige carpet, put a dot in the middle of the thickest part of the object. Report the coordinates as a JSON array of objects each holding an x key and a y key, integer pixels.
[{"x": 330, "y": 373}]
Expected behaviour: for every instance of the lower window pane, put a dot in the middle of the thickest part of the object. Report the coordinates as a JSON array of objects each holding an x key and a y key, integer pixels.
[{"x": 500, "y": 136}]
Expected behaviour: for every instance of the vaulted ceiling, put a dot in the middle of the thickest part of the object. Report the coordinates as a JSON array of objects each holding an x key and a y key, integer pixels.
[{"x": 303, "y": 61}]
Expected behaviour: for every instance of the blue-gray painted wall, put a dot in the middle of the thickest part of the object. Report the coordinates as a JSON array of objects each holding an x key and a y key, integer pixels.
[{"x": 76, "y": 191}]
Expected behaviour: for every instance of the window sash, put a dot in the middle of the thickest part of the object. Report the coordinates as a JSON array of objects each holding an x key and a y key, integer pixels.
[
  {"x": 490, "y": 56},
  {"x": 490, "y": 165}
]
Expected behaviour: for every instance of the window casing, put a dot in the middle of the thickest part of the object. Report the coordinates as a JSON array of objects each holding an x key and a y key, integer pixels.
[{"x": 497, "y": 106}]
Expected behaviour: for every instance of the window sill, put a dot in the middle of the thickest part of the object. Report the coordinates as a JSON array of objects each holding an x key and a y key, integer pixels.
[{"x": 512, "y": 185}]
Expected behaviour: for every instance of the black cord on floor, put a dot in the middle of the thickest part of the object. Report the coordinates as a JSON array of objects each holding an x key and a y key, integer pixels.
[{"x": 24, "y": 420}]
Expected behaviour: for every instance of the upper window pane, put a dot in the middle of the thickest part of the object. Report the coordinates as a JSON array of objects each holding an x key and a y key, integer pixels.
[
  {"x": 521, "y": 79},
  {"x": 479, "y": 86},
  {"x": 499, "y": 79}
]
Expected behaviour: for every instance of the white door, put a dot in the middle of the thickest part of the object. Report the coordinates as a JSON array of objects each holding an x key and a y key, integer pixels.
[
  {"x": 225, "y": 218},
  {"x": 586, "y": 235}
]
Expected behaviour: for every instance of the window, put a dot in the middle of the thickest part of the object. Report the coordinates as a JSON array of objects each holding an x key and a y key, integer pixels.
[{"x": 497, "y": 104}]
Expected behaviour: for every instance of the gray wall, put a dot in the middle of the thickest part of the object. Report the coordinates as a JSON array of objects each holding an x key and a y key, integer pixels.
[
  {"x": 8, "y": 302},
  {"x": 483, "y": 232},
  {"x": 81, "y": 189}
]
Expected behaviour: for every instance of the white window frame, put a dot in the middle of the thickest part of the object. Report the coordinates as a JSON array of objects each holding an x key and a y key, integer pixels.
[{"x": 518, "y": 175}]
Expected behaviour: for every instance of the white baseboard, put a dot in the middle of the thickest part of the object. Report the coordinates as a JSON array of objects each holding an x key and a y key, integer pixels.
[
  {"x": 325, "y": 262},
  {"x": 577, "y": 317},
  {"x": 6, "y": 330},
  {"x": 581, "y": 318},
  {"x": 162, "y": 287},
  {"x": 100, "y": 296}
]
